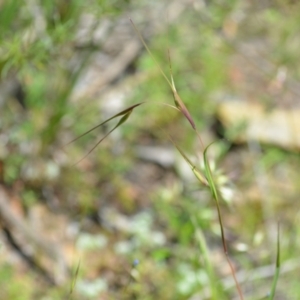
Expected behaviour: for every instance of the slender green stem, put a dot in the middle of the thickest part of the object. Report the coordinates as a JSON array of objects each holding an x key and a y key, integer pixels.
[{"x": 278, "y": 264}]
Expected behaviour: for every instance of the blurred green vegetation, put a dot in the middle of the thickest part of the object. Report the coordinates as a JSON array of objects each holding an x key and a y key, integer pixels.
[{"x": 173, "y": 222}]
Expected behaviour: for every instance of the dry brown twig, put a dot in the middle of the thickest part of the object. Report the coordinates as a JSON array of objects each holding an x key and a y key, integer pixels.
[{"x": 48, "y": 250}]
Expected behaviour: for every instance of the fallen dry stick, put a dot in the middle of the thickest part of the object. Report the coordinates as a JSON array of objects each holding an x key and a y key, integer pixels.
[{"x": 47, "y": 249}]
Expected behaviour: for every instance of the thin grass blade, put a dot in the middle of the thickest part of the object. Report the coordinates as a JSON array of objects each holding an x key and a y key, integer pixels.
[
  {"x": 123, "y": 112},
  {"x": 215, "y": 195},
  {"x": 122, "y": 120},
  {"x": 178, "y": 102},
  {"x": 214, "y": 192},
  {"x": 74, "y": 279},
  {"x": 125, "y": 115},
  {"x": 198, "y": 175},
  {"x": 150, "y": 53},
  {"x": 214, "y": 284},
  {"x": 278, "y": 264}
]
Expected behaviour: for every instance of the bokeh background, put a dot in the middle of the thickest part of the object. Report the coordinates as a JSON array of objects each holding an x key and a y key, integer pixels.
[{"x": 129, "y": 220}]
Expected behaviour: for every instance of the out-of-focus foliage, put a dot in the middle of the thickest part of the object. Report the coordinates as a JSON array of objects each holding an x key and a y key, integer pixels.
[{"x": 128, "y": 209}]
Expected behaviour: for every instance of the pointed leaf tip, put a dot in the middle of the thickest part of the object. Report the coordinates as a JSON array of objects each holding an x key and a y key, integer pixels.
[{"x": 181, "y": 106}]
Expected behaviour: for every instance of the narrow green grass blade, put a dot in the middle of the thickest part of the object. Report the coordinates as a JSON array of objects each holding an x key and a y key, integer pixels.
[
  {"x": 278, "y": 264},
  {"x": 150, "y": 53},
  {"x": 125, "y": 115},
  {"x": 213, "y": 282},
  {"x": 74, "y": 279},
  {"x": 198, "y": 175},
  {"x": 122, "y": 113},
  {"x": 209, "y": 176},
  {"x": 178, "y": 102},
  {"x": 215, "y": 195}
]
